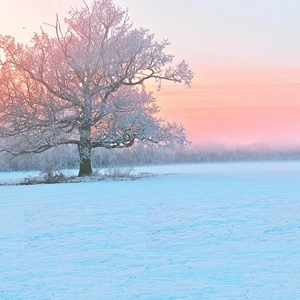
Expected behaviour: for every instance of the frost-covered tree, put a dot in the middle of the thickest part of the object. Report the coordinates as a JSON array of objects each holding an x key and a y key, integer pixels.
[{"x": 84, "y": 85}]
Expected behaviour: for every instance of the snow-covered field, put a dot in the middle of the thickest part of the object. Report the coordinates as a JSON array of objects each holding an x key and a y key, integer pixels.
[{"x": 199, "y": 231}]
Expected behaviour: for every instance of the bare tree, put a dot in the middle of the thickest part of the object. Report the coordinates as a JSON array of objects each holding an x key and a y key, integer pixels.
[{"x": 84, "y": 85}]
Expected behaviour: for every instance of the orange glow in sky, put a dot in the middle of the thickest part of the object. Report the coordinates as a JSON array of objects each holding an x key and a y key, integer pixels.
[
  {"x": 245, "y": 55},
  {"x": 241, "y": 107}
]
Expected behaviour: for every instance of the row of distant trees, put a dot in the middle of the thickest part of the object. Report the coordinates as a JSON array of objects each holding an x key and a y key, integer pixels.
[{"x": 66, "y": 157}]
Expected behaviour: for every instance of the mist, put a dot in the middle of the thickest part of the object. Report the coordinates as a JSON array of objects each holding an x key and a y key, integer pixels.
[{"x": 66, "y": 157}]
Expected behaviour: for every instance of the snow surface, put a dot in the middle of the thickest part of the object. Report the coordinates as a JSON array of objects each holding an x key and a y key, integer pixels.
[{"x": 202, "y": 231}]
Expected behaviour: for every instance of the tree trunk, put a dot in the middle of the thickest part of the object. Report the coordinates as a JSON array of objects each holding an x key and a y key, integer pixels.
[{"x": 85, "y": 152}]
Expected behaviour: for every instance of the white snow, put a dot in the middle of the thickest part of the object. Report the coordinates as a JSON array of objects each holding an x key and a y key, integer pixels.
[{"x": 202, "y": 231}]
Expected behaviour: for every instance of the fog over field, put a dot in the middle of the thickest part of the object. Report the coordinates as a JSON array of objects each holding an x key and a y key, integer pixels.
[{"x": 67, "y": 157}]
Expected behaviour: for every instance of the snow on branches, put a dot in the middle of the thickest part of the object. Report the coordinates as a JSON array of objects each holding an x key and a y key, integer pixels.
[{"x": 84, "y": 85}]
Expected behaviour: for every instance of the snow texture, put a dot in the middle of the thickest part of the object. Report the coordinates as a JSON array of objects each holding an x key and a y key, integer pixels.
[{"x": 202, "y": 231}]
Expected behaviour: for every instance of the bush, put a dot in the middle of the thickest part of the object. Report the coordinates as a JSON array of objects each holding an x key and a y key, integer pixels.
[{"x": 49, "y": 177}]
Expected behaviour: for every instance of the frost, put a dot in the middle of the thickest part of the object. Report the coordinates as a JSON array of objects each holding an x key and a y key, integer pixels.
[{"x": 85, "y": 86}]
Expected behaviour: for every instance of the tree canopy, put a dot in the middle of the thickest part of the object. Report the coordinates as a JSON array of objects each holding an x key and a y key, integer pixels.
[{"x": 84, "y": 84}]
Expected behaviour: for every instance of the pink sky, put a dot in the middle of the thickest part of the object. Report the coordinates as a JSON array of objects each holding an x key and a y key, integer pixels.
[
  {"x": 245, "y": 55},
  {"x": 238, "y": 107}
]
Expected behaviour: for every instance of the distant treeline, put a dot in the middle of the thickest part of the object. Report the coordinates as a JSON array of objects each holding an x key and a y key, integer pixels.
[{"x": 66, "y": 157}]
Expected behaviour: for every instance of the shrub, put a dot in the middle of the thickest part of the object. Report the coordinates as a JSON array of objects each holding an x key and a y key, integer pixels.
[{"x": 49, "y": 177}]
